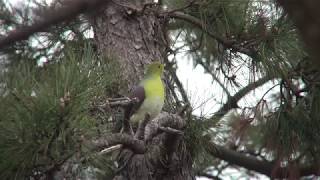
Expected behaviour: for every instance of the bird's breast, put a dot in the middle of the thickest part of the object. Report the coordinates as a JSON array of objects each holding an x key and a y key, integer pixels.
[{"x": 154, "y": 100}]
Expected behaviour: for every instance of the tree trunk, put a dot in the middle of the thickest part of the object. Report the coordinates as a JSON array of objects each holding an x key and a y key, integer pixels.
[
  {"x": 130, "y": 36},
  {"x": 135, "y": 38}
]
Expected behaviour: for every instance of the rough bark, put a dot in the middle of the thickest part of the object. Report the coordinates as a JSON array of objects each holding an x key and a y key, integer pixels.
[
  {"x": 129, "y": 35},
  {"x": 133, "y": 36}
]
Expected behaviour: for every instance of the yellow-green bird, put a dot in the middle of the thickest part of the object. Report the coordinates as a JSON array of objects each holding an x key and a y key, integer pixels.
[{"x": 149, "y": 94}]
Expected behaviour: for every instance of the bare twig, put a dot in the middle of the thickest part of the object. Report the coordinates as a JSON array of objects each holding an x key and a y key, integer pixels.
[
  {"x": 179, "y": 84},
  {"x": 130, "y": 142},
  {"x": 170, "y": 130},
  {"x": 214, "y": 77},
  {"x": 115, "y": 102},
  {"x": 110, "y": 149}
]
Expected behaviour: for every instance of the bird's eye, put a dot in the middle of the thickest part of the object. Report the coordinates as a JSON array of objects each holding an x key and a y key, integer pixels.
[{"x": 159, "y": 66}]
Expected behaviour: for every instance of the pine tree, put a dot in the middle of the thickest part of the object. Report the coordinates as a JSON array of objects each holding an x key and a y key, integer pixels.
[{"x": 66, "y": 65}]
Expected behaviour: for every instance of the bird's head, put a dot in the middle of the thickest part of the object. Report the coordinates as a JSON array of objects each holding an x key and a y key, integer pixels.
[{"x": 155, "y": 68}]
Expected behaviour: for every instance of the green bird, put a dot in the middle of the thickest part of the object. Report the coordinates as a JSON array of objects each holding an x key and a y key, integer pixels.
[{"x": 149, "y": 95}]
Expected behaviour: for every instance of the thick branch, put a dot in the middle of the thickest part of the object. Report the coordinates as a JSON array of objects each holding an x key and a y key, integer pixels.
[
  {"x": 70, "y": 10},
  {"x": 169, "y": 124},
  {"x": 137, "y": 146},
  {"x": 163, "y": 152},
  {"x": 163, "y": 120},
  {"x": 232, "y": 102},
  {"x": 254, "y": 164}
]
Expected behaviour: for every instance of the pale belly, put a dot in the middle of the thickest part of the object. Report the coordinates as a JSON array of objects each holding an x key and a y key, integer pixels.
[{"x": 153, "y": 106}]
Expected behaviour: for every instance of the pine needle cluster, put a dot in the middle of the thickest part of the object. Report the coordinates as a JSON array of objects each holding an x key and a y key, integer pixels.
[{"x": 46, "y": 110}]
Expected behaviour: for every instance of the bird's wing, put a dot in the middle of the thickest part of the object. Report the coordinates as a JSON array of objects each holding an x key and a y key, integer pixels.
[{"x": 138, "y": 93}]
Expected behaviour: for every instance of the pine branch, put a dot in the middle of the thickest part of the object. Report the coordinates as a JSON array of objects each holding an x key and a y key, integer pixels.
[
  {"x": 232, "y": 101},
  {"x": 254, "y": 164},
  {"x": 67, "y": 12},
  {"x": 230, "y": 44}
]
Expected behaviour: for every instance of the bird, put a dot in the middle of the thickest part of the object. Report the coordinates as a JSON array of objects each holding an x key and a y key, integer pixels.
[{"x": 149, "y": 95}]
